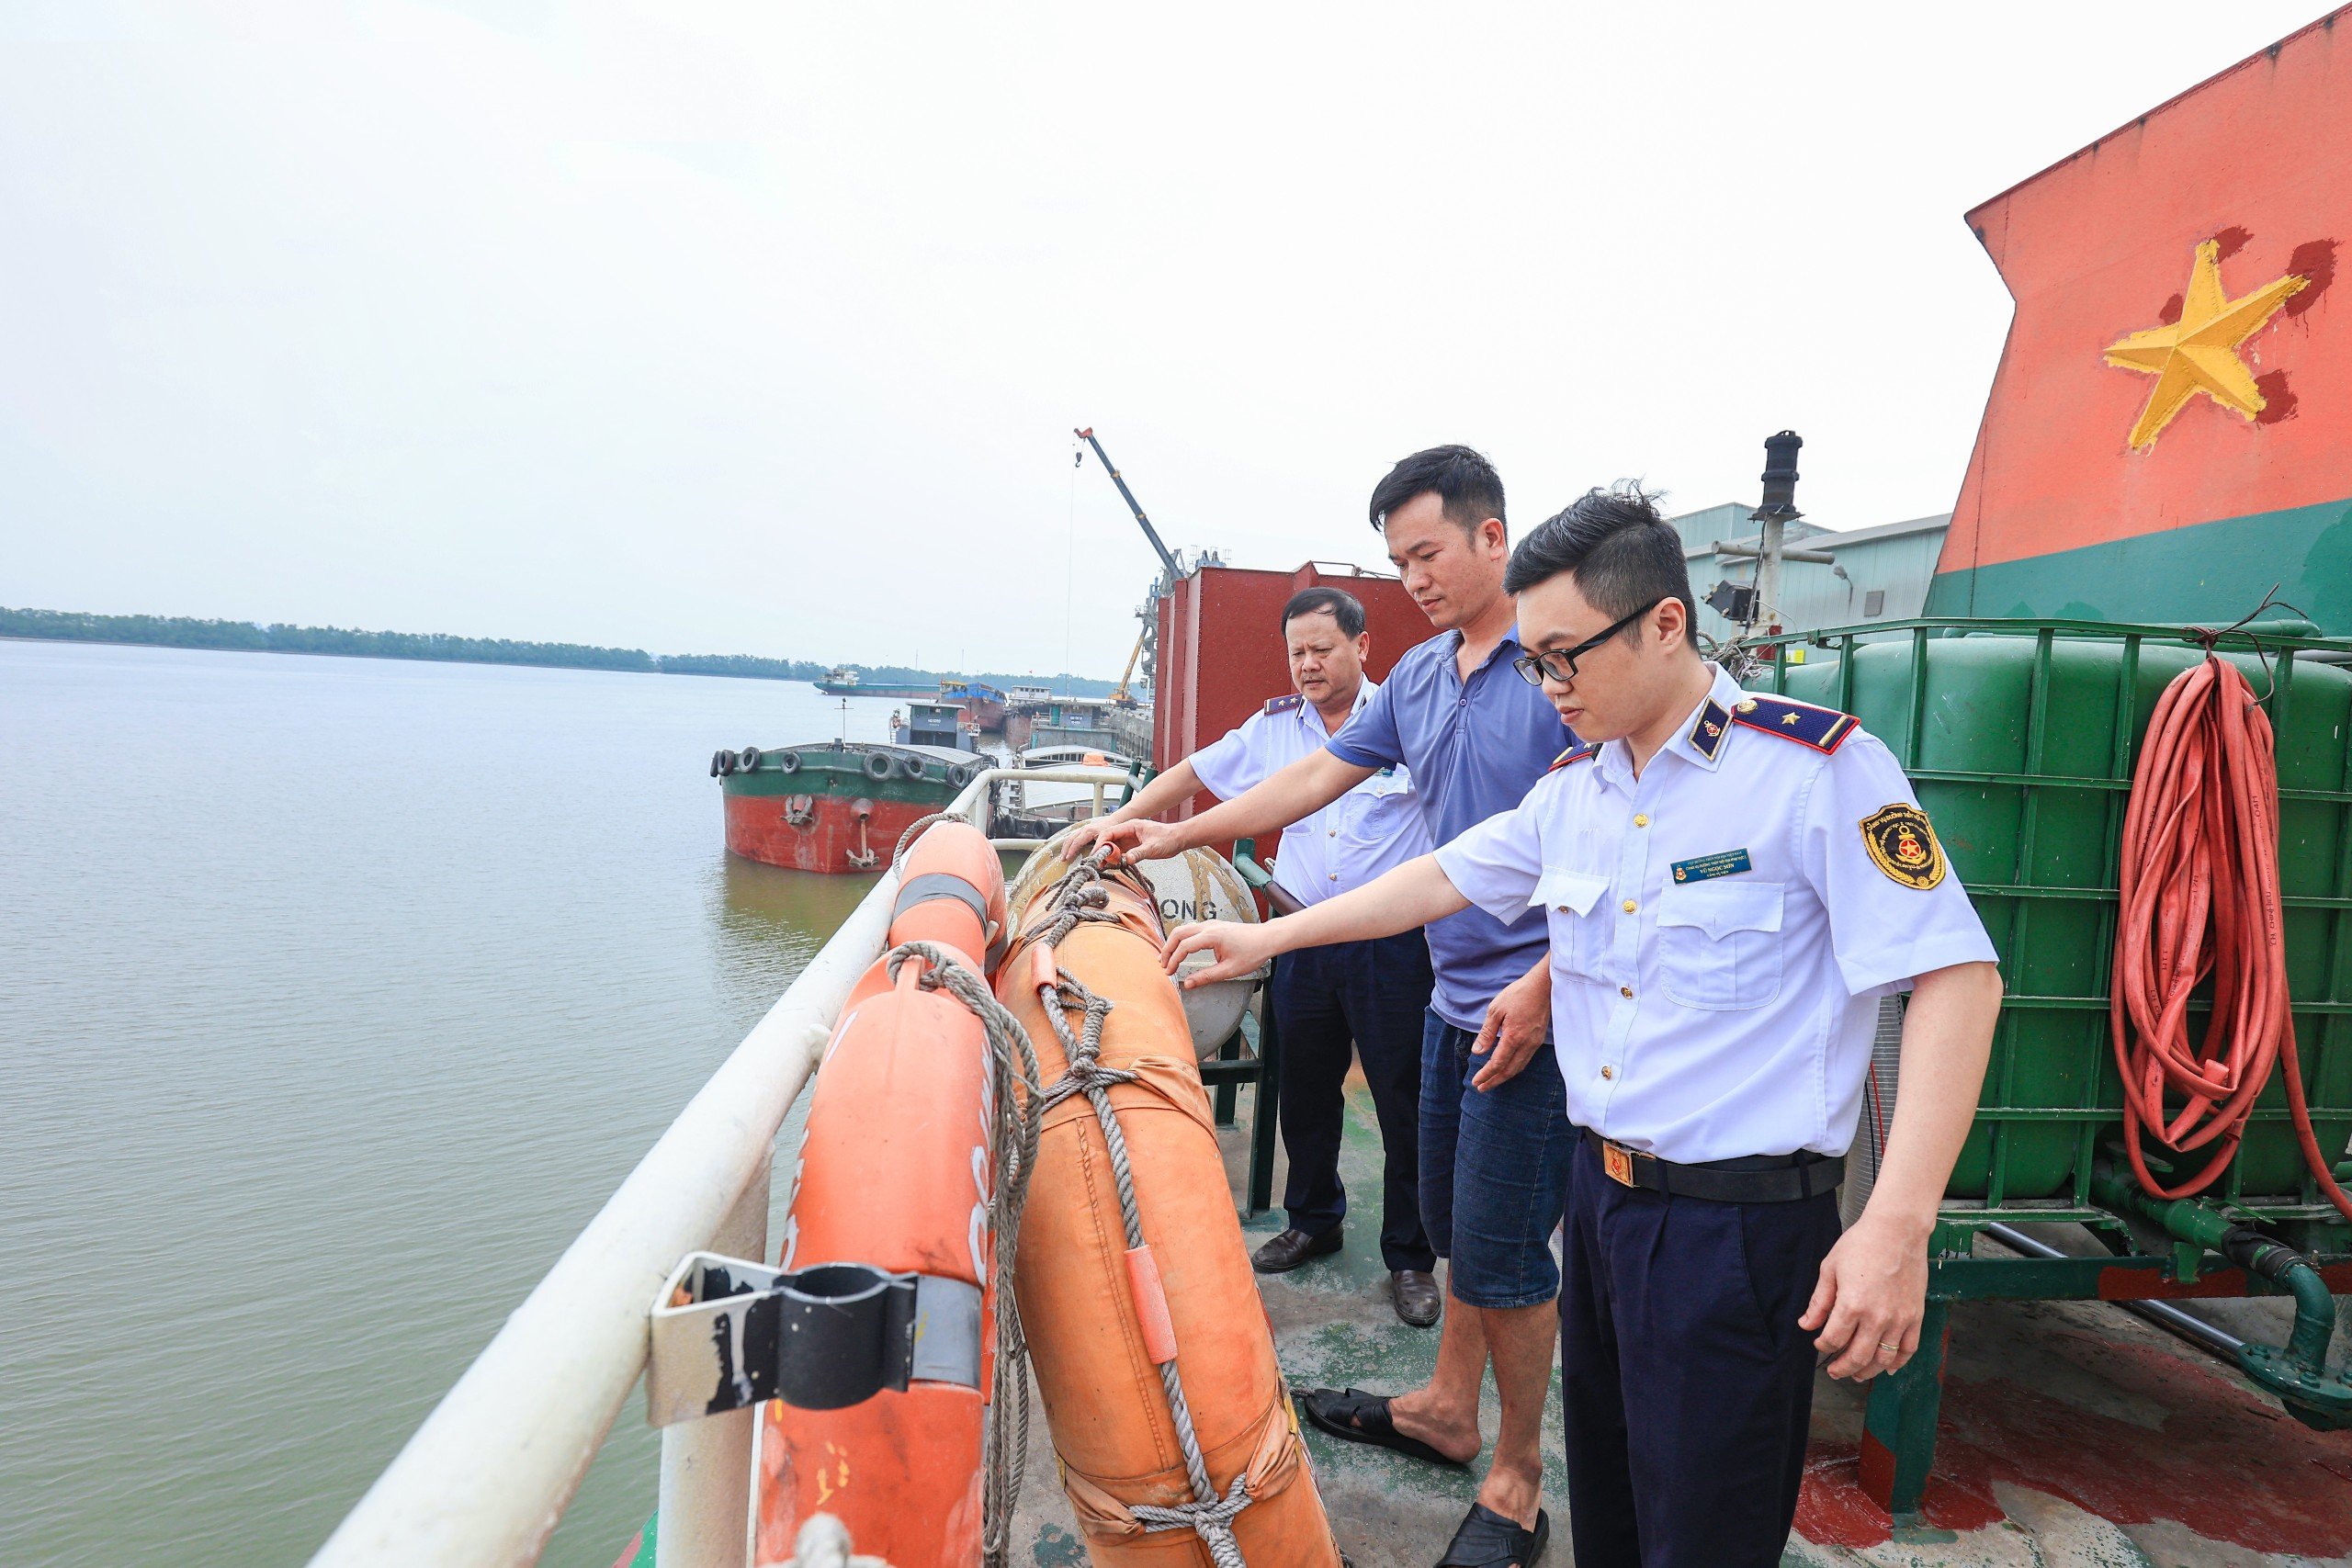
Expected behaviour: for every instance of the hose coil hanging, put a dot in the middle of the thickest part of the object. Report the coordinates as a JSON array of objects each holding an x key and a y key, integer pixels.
[{"x": 2199, "y": 884}]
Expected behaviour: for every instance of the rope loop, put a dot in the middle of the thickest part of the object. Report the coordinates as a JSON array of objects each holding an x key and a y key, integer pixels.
[
  {"x": 1212, "y": 1521},
  {"x": 915, "y": 831}
]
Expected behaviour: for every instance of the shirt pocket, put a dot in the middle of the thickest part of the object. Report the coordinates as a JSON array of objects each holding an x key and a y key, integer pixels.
[
  {"x": 1719, "y": 943},
  {"x": 1571, "y": 903}
]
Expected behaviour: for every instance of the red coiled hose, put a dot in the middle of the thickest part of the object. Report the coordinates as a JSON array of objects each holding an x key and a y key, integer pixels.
[{"x": 2200, "y": 882}]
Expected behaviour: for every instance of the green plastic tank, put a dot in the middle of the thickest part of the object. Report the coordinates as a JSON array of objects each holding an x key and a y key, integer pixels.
[{"x": 2020, "y": 737}]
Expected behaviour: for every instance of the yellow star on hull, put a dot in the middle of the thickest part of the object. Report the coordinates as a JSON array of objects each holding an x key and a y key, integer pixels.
[{"x": 2199, "y": 352}]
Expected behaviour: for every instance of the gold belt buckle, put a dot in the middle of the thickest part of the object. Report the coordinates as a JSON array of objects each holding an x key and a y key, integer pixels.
[{"x": 1618, "y": 1161}]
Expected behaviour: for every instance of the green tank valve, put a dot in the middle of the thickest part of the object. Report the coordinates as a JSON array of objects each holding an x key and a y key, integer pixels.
[{"x": 2295, "y": 1373}]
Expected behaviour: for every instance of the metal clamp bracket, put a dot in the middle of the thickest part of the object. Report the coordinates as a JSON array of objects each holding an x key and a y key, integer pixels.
[{"x": 728, "y": 1334}]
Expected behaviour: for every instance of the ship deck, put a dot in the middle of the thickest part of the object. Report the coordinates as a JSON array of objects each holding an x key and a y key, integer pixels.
[{"x": 2073, "y": 1433}]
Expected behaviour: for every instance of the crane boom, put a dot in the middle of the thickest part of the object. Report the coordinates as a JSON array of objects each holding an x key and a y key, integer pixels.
[{"x": 1167, "y": 558}]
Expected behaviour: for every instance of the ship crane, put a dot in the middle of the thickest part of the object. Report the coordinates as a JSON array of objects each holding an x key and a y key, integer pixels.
[
  {"x": 1174, "y": 568},
  {"x": 1167, "y": 556}
]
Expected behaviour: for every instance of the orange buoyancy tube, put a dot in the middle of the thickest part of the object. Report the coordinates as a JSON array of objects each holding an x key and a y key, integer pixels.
[
  {"x": 895, "y": 1173},
  {"x": 1101, "y": 1319}
]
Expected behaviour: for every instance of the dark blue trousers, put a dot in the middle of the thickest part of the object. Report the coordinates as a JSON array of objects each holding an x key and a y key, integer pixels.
[
  {"x": 1364, "y": 999},
  {"x": 1686, "y": 1383}
]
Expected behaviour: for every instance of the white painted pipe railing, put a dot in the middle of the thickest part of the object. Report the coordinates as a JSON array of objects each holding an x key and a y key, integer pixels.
[{"x": 488, "y": 1474}]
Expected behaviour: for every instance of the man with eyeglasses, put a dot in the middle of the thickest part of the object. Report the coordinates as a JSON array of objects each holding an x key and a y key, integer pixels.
[
  {"x": 1732, "y": 880},
  {"x": 1494, "y": 1138}
]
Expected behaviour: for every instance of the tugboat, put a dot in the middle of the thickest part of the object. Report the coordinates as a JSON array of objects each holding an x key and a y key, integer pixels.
[{"x": 834, "y": 807}]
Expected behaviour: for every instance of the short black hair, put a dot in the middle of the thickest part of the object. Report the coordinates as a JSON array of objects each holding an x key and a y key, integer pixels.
[
  {"x": 1342, "y": 607},
  {"x": 1462, "y": 480},
  {"x": 1622, "y": 554}
]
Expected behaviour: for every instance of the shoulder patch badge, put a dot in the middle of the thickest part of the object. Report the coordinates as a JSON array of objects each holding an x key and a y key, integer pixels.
[
  {"x": 1283, "y": 704},
  {"x": 1573, "y": 755},
  {"x": 1903, "y": 845},
  {"x": 1824, "y": 730}
]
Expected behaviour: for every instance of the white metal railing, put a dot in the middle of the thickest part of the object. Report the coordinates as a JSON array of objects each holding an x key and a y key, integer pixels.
[{"x": 485, "y": 1478}]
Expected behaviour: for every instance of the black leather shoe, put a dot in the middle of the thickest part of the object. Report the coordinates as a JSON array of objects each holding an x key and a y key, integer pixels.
[
  {"x": 1417, "y": 1301},
  {"x": 1292, "y": 1247}
]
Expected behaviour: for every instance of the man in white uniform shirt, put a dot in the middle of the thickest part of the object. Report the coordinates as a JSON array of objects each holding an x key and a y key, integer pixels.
[
  {"x": 1732, "y": 880},
  {"x": 1354, "y": 997}
]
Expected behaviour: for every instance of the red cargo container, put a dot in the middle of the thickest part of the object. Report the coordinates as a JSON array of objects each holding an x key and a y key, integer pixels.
[{"x": 1221, "y": 653}]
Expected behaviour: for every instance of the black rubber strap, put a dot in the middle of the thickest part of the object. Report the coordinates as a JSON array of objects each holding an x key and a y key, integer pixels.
[{"x": 940, "y": 885}]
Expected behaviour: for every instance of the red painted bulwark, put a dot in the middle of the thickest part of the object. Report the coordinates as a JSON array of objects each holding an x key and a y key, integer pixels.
[
  {"x": 2258, "y": 160},
  {"x": 1222, "y": 655}
]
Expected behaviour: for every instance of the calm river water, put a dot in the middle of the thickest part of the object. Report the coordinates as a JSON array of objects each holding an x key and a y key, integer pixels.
[{"x": 335, "y": 996}]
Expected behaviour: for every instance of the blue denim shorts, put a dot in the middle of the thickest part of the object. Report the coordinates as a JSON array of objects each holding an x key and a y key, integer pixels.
[{"x": 1495, "y": 1169}]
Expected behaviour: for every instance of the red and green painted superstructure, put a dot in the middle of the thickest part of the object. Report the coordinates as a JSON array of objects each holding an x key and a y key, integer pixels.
[{"x": 2169, "y": 433}]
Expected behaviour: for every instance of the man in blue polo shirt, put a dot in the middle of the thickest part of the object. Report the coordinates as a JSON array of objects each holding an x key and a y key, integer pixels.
[{"x": 1495, "y": 1137}]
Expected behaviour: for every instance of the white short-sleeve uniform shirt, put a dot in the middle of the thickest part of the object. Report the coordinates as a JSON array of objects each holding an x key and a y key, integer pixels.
[
  {"x": 1374, "y": 827},
  {"x": 1723, "y": 927}
]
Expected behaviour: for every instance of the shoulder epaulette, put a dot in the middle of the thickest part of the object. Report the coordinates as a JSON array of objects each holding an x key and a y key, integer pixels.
[
  {"x": 1283, "y": 704},
  {"x": 1824, "y": 730},
  {"x": 1573, "y": 755}
]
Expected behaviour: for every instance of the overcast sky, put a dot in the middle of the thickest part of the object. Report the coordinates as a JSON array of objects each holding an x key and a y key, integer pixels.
[{"x": 762, "y": 328}]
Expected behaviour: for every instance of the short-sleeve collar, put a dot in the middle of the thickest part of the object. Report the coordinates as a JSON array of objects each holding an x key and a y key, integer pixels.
[
  {"x": 1701, "y": 738},
  {"x": 1706, "y": 729},
  {"x": 1455, "y": 639},
  {"x": 1312, "y": 721}
]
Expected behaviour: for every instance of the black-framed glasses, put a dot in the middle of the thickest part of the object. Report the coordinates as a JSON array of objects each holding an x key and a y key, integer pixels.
[{"x": 1560, "y": 663}]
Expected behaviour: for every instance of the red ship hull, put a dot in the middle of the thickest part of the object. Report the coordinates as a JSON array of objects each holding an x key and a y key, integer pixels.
[{"x": 823, "y": 833}]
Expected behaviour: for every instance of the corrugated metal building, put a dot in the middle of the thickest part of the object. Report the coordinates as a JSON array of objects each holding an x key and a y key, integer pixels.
[{"x": 1882, "y": 573}]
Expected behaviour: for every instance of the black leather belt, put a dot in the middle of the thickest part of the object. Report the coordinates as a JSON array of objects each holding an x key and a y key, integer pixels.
[{"x": 1756, "y": 1179}]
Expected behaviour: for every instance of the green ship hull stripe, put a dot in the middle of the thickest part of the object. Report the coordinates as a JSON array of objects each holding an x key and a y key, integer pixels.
[
  {"x": 812, "y": 779},
  {"x": 2205, "y": 572}
]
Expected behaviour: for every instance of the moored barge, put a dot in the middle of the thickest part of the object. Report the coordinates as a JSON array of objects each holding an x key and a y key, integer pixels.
[{"x": 834, "y": 805}]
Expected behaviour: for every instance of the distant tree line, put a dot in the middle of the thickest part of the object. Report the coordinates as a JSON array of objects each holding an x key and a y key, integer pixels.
[{"x": 184, "y": 631}]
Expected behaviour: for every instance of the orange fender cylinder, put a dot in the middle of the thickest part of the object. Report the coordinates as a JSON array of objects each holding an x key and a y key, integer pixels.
[
  {"x": 895, "y": 1172},
  {"x": 1099, "y": 1318}
]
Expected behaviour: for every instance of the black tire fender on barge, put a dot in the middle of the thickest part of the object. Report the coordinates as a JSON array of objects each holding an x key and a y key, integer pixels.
[
  {"x": 749, "y": 758},
  {"x": 877, "y": 766},
  {"x": 787, "y": 762}
]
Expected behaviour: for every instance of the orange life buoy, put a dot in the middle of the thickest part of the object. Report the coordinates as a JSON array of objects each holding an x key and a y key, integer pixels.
[
  {"x": 1102, "y": 1318},
  {"x": 895, "y": 1173}
]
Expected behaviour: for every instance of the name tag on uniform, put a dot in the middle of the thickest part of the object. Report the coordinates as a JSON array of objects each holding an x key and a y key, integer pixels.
[{"x": 1723, "y": 863}]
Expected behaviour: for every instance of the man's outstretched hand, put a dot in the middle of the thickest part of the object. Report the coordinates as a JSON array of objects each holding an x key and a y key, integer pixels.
[
  {"x": 1239, "y": 949},
  {"x": 1138, "y": 840}
]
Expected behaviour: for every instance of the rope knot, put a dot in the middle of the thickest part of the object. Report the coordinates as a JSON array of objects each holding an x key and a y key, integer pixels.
[{"x": 1210, "y": 1519}]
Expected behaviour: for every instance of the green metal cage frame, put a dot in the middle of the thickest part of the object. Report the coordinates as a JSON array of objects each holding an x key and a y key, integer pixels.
[
  {"x": 2143, "y": 1262},
  {"x": 2328, "y": 1046}
]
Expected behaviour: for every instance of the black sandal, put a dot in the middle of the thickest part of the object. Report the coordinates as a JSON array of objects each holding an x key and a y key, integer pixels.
[
  {"x": 1355, "y": 1417},
  {"x": 1489, "y": 1539}
]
